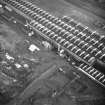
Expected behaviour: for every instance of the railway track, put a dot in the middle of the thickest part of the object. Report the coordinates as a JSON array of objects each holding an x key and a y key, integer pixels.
[{"x": 72, "y": 36}]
